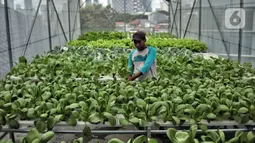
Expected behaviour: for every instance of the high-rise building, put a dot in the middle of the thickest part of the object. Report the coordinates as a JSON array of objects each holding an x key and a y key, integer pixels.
[
  {"x": 122, "y": 6},
  {"x": 146, "y": 5},
  {"x": 91, "y": 2},
  {"x": 131, "y": 6},
  {"x": 28, "y": 4},
  {"x": 11, "y": 4},
  {"x": 163, "y": 6}
]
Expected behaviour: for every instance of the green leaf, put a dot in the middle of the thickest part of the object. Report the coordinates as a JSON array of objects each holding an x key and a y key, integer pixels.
[
  {"x": 94, "y": 118},
  {"x": 50, "y": 123},
  {"x": 72, "y": 121},
  {"x": 140, "y": 139},
  {"x": 213, "y": 135},
  {"x": 193, "y": 131},
  {"x": 222, "y": 135},
  {"x": 151, "y": 140},
  {"x": 203, "y": 127},
  {"x": 76, "y": 114},
  {"x": 140, "y": 103},
  {"x": 74, "y": 105},
  {"x": 87, "y": 131},
  {"x": 58, "y": 118},
  {"x": 123, "y": 122},
  {"x": 224, "y": 108},
  {"x": 251, "y": 137},
  {"x": 182, "y": 137},
  {"x": 134, "y": 120},
  {"x": 115, "y": 140},
  {"x": 112, "y": 120},
  {"x": 40, "y": 126},
  {"x": 176, "y": 120},
  {"x": 171, "y": 134},
  {"x": 243, "y": 110},
  {"x": 202, "y": 108},
  {"x": 211, "y": 116},
  {"x": 32, "y": 135},
  {"x": 233, "y": 140}
]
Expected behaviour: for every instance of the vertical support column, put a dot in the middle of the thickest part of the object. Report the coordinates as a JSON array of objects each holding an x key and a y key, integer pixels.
[
  {"x": 217, "y": 24},
  {"x": 240, "y": 38},
  {"x": 49, "y": 27},
  {"x": 180, "y": 18},
  {"x": 32, "y": 27},
  {"x": 169, "y": 18},
  {"x": 174, "y": 16},
  {"x": 186, "y": 29},
  {"x": 55, "y": 9},
  {"x": 8, "y": 35},
  {"x": 125, "y": 11},
  {"x": 148, "y": 132},
  {"x": 253, "y": 37},
  {"x": 69, "y": 19},
  {"x": 200, "y": 20}
]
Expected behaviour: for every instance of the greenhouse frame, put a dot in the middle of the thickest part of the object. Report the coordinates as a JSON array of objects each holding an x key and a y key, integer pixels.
[{"x": 63, "y": 71}]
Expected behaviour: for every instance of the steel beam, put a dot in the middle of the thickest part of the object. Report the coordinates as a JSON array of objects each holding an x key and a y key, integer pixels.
[
  {"x": 240, "y": 38},
  {"x": 148, "y": 131},
  {"x": 161, "y": 124},
  {"x": 194, "y": 3},
  {"x": 180, "y": 18},
  {"x": 69, "y": 19},
  {"x": 200, "y": 20},
  {"x": 32, "y": 27},
  {"x": 3, "y": 135},
  {"x": 169, "y": 18},
  {"x": 77, "y": 10},
  {"x": 217, "y": 24},
  {"x": 49, "y": 26},
  {"x": 8, "y": 35},
  {"x": 59, "y": 20},
  {"x": 174, "y": 20},
  {"x": 125, "y": 21},
  {"x": 173, "y": 13},
  {"x": 118, "y": 131}
]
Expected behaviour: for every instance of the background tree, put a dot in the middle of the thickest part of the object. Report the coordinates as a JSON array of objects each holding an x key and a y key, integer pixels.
[{"x": 99, "y": 18}]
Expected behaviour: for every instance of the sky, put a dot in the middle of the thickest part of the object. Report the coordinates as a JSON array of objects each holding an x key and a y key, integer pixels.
[{"x": 155, "y": 3}]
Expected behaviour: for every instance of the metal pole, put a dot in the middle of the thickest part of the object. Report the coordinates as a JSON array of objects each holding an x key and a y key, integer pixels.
[
  {"x": 59, "y": 20},
  {"x": 169, "y": 18},
  {"x": 194, "y": 3},
  {"x": 3, "y": 135},
  {"x": 240, "y": 38},
  {"x": 200, "y": 20},
  {"x": 61, "y": 131},
  {"x": 217, "y": 24},
  {"x": 8, "y": 33},
  {"x": 174, "y": 20},
  {"x": 180, "y": 18},
  {"x": 148, "y": 130},
  {"x": 49, "y": 27},
  {"x": 69, "y": 19},
  {"x": 74, "y": 25},
  {"x": 31, "y": 29},
  {"x": 125, "y": 16},
  {"x": 173, "y": 13}
]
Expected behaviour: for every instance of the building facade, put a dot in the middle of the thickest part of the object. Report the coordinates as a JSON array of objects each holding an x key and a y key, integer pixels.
[
  {"x": 88, "y": 2},
  {"x": 131, "y": 6}
]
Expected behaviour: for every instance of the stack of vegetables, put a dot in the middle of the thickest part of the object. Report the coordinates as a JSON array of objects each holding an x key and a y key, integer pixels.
[
  {"x": 66, "y": 86},
  {"x": 120, "y": 40}
]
